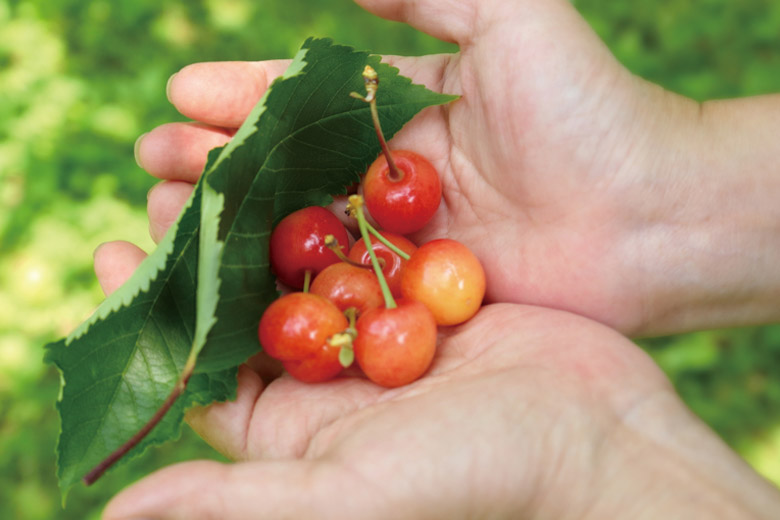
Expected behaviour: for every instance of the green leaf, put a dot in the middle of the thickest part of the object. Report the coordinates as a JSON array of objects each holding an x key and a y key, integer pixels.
[
  {"x": 120, "y": 365},
  {"x": 202, "y": 292}
]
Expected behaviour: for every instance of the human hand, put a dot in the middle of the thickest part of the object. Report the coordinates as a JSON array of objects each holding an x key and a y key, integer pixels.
[
  {"x": 559, "y": 152},
  {"x": 517, "y": 188},
  {"x": 573, "y": 181},
  {"x": 526, "y": 413}
]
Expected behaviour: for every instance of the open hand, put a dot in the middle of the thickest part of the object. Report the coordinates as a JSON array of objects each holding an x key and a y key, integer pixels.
[
  {"x": 540, "y": 159},
  {"x": 552, "y": 162},
  {"x": 526, "y": 413}
]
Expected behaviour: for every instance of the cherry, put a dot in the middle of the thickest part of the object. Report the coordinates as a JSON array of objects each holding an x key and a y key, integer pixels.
[
  {"x": 349, "y": 286},
  {"x": 446, "y": 276},
  {"x": 395, "y": 346},
  {"x": 402, "y": 189},
  {"x": 296, "y": 329},
  {"x": 297, "y": 244},
  {"x": 403, "y": 202},
  {"x": 315, "y": 369},
  {"x": 392, "y": 263}
]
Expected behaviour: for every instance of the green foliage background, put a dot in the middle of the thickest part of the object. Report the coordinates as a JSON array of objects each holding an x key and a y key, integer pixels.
[{"x": 79, "y": 81}]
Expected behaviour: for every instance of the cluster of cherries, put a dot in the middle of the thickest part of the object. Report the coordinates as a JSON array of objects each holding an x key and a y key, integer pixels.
[{"x": 380, "y": 302}]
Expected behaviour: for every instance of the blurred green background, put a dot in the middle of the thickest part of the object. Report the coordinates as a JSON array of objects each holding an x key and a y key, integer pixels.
[{"x": 80, "y": 80}]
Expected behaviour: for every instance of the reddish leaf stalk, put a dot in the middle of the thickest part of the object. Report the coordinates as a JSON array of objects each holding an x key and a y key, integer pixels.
[{"x": 91, "y": 477}]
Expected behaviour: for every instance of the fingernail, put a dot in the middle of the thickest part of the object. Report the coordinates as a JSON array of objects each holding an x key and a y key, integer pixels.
[
  {"x": 137, "y": 148},
  {"x": 168, "y": 87}
]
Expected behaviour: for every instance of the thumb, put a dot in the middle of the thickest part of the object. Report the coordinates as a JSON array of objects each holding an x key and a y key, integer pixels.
[
  {"x": 250, "y": 490},
  {"x": 449, "y": 20}
]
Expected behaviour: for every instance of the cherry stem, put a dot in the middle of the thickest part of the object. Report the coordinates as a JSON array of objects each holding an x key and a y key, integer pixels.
[
  {"x": 333, "y": 244},
  {"x": 357, "y": 203},
  {"x": 394, "y": 248},
  {"x": 351, "y": 314},
  {"x": 371, "y": 80},
  {"x": 346, "y": 339},
  {"x": 91, "y": 477},
  {"x": 306, "y": 280}
]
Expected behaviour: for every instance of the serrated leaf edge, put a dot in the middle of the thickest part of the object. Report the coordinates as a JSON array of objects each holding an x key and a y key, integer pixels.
[
  {"x": 139, "y": 281},
  {"x": 212, "y": 204}
]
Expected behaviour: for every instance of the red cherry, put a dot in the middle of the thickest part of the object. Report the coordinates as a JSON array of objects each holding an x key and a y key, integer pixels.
[
  {"x": 393, "y": 264},
  {"x": 402, "y": 205},
  {"x": 298, "y": 244},
  {"x": 295, "y": 329},
  {"x": 349, "y": 286},
  {"x": 315, "y": 369},
  {"x": 446, "y": 276},
  {"x": 395, "y": 346}
]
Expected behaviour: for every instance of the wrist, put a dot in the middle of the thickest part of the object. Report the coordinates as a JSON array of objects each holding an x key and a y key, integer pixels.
[
  {"x": 656, "y": 461},
  {"x": 681, "y": 469},
  {"x": 707, "y": 230}
]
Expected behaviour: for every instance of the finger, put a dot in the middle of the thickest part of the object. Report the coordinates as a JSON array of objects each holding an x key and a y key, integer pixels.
[
  {"x": 264, "y": 421},
  {"x": 205, "y": 489},
  {"x": 115, "y": 262},
  {"x": 178, "y": 151},
  {"x": 222, "y": 93},
  {"x": 448, "y": 20},
  {"x": 223, "y": 425},
  {"x": 164, "y": 204}
]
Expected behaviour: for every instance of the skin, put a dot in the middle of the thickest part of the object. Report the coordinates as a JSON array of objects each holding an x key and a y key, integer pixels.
[
  {"x": 623, "y": 202},
  {"x": 629, "y": 210},
  {"x": 526, "y": 413}
]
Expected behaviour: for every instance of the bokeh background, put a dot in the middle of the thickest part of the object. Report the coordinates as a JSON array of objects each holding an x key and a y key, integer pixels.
[{"x": 80, "y": 80}]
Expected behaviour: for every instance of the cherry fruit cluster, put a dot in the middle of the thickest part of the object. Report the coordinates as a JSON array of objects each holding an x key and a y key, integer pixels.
[{"x": 380, "y": 302}]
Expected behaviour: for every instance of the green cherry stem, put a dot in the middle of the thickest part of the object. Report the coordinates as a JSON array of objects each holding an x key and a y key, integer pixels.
[
  {"x": 345, "y": 339},
  {"x": 394, "y": 248},
  {"x": 351, "y": 314},
  {"x": 306, "y": 280},
  {"x": 371, "y": 80},
  {"x": 357, "y": 204}
]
